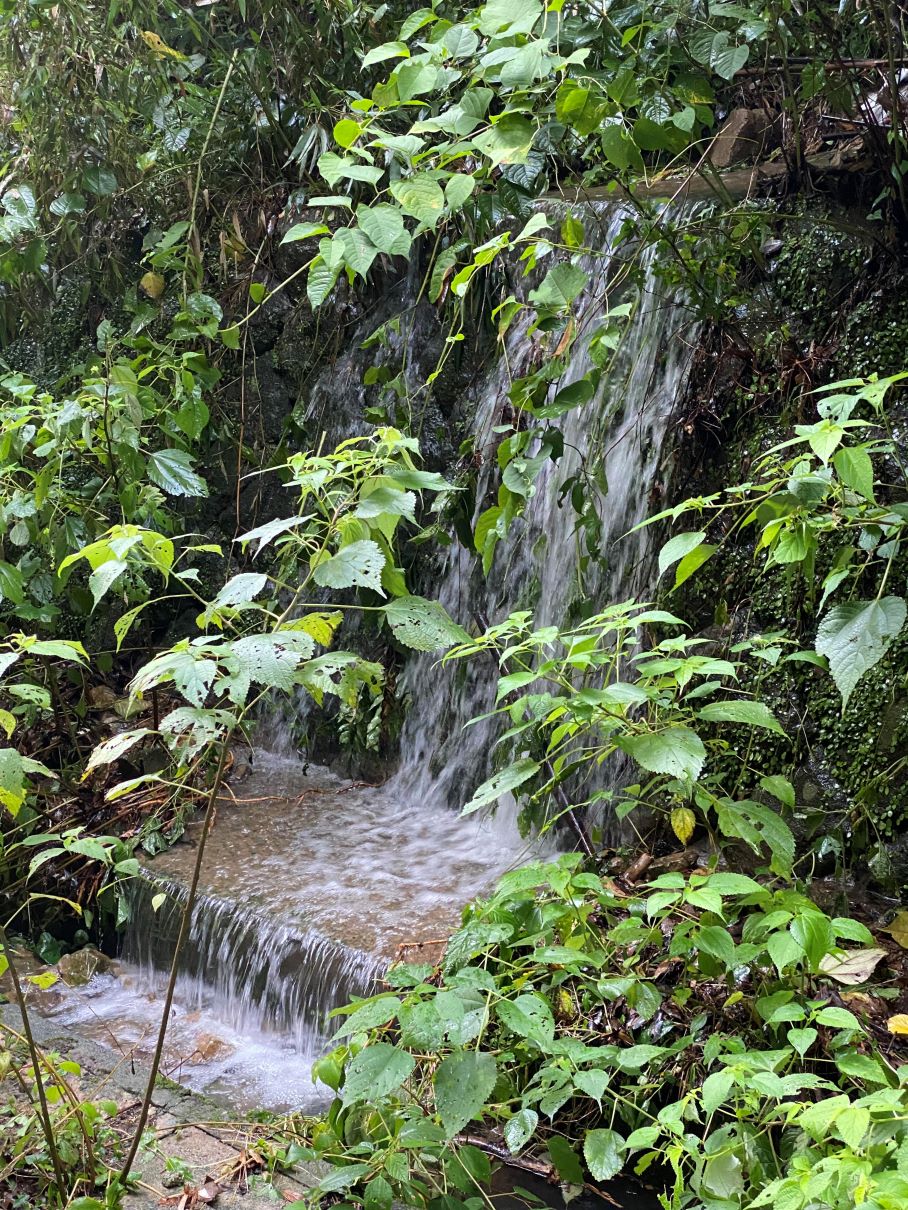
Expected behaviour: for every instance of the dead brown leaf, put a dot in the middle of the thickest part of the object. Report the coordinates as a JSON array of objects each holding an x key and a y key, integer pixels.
[{"x": 856, "y": 966}]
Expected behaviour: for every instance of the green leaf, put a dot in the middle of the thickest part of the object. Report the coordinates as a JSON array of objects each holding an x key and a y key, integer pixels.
[
  {"x": 560, "y": 286},
  {"x": 676, "y": 751},
  {"x": 856, "y": 635},
  {"x": 305, "y": 231},
  {"x": 376, "y": 1012},
  {"x": 502, "y": 783},
  {"x": 320, "y": 281},
  {"x": 172, "y": 471},
  {"x": 529, "y": 1016},
  {"x": 715, "y": 1090},
  {"x": 103, "y": 577},
  {"x": 564, "y": 1157},
  {"x": 726, "y": 60},
  {"x": 458, "y": 189},
  {"x": 693, "y": 562},
  {"x": 421, "y": 197},
  {"x": 423, "y": 625},
  {"x": 780, "y": 788},
  {"x": 384, "y": 226},
  {"x": 463, "y": 1083},
  {"x": 855, "y": 469},
  {"x": 387, "y": 50},
  {"x": 376, "y": 1071},
  {"x": 99, "y": 180},
  {"x": 602, "y": 1152},
  {"x": 519, "y": 1129},
  {"x": 12, "y": 584},
  {"x": 358, "y": 565},
  {"x": 12, "y": 780},
  {"x": 677, "y": 547},
  {"x": 802, "y": 1039},
  {"x": 336, "y": 168},
  {"x": 752, "y": 714},
  {"x": 620, "y": 149},
  {"x": 508, "y": 141}
]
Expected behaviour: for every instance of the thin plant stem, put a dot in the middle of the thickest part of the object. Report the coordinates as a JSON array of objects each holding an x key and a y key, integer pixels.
[
  {"x": 174, "y": 966},
  {"x": 36, "y": 1065}
]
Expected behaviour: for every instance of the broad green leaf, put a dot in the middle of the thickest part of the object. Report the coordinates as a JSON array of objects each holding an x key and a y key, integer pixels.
[
  {"x": 387, "y": 50},
  {"x": 263, "y": 534},
  {"x": 320, "y": 281},
  {"x": 421, "y": 197},
  {"x": 779, "y": 787},
  {"x": 384, "y": 226},
  {"x": 12, "y": 584},
  {"x": 529, "y": 1016},
  {"x": 677, "y": 547},
  {"x": 502, "y": 783},
  {"x": 508, "y": 141},
  {"x": 458, "y": 189},
  {"x": 377, "y": 1070},
  {"x": 172, "y": 471},
  {"x": 376, "y": 1012},
  {"x": 676, "y": 751},
  {"x": 602, "y": 1152},
  {"x": 560, "y": 287},
  {"x": 463, "y": 1083},
  {"x": 751, "y": 713},
  {"x": 305, "y": 231},
  {"x": 12, "y": 780},
  {"x": 715, "y": 1089},
  {"x": 358, "y": 565},
  {"x": 856, "y": 635},
  {"x": 565, "y": 1159},
  {"x": 620, "y": 149},
  {"x": 693, "y": 562},
  {"x": 726, "y": 60},
  {"x": 519, "y": 1129},
  {"x": 336, "y": 168},
  {"x": 509, "y": 16},
  {"x": 855, "y": 469},
  {"x": 423, "y": 625}
]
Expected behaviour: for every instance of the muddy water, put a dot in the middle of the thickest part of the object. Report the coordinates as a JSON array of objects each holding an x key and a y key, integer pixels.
[{"x": 310, "y": 885}]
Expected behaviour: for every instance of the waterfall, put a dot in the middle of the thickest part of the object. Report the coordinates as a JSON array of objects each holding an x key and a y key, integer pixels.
[
  {"x": 442, "y": 757},
  {"x": 312, "y": 883}
]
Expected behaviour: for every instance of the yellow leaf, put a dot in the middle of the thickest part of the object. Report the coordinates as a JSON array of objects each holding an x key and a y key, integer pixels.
[
  {"x": 899, "y": 929},
  {"x": 157, "y": 44},
  {"x": 44, "y": 981},
  {"x": 898, "y": 1024},
  {"x": 153, "y": 284},
  {"x": 683, "y": 822}
]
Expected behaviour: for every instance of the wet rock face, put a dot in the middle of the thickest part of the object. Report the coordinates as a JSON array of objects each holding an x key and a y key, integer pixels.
[{"x": 80, "y": 968}]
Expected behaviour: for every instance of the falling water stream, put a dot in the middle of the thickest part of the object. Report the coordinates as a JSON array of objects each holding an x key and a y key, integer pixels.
[{"x": 311, "y": 883}]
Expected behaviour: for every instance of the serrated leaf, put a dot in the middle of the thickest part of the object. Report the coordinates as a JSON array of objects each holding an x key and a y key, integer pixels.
[
  {"x": 376, "y": 1071},
  {"x": 519, "y": 1129},
  {"x": 423, "y": 625},
  {"x": 560, "y": 286},
  {"x": 856, "y": 635},
  {"x": 676, "y": 751},
  {"x": 602, "y": 1152},
  {"x": 358, "y": 565},
  {"x": 172, "y": 471},
  {"x": 683, "y": 822},
  {"x": 463, "y": 1083}
]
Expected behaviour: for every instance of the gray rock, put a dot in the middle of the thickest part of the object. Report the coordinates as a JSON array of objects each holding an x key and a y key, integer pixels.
[
  {"x": 80, "y": 968},
  {"x": 746, "y": 134}
]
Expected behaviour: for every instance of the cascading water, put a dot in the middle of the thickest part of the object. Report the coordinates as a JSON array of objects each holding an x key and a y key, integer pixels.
[{"x": 310, "y": 882}]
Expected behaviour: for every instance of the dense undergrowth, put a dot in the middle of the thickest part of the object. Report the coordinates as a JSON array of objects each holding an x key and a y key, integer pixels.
[{"x": 178, "y": 179}]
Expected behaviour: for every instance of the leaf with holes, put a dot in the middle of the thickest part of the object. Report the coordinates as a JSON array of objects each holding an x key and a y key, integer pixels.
[
  {"x": 463, "y": 1083},
  {"x": 358, "y": 565},
  {"x": 172, "y": 471},
  {"x": 856, "y": 635},
  {"x": 376, "y": 1071},
  {"x": 423, "y": 625}
]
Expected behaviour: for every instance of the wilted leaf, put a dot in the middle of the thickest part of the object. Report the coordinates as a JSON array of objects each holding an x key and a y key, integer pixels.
[
  {"x": 898, "y": 1024},
  {"x": 898, "y": 930},
  {"x": 855, "y": 967},
  {"x": 683, "y": 822}
]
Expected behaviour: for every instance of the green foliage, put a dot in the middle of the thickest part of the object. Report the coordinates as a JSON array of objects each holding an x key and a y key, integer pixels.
[{"x": 694, "y": 1017}]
